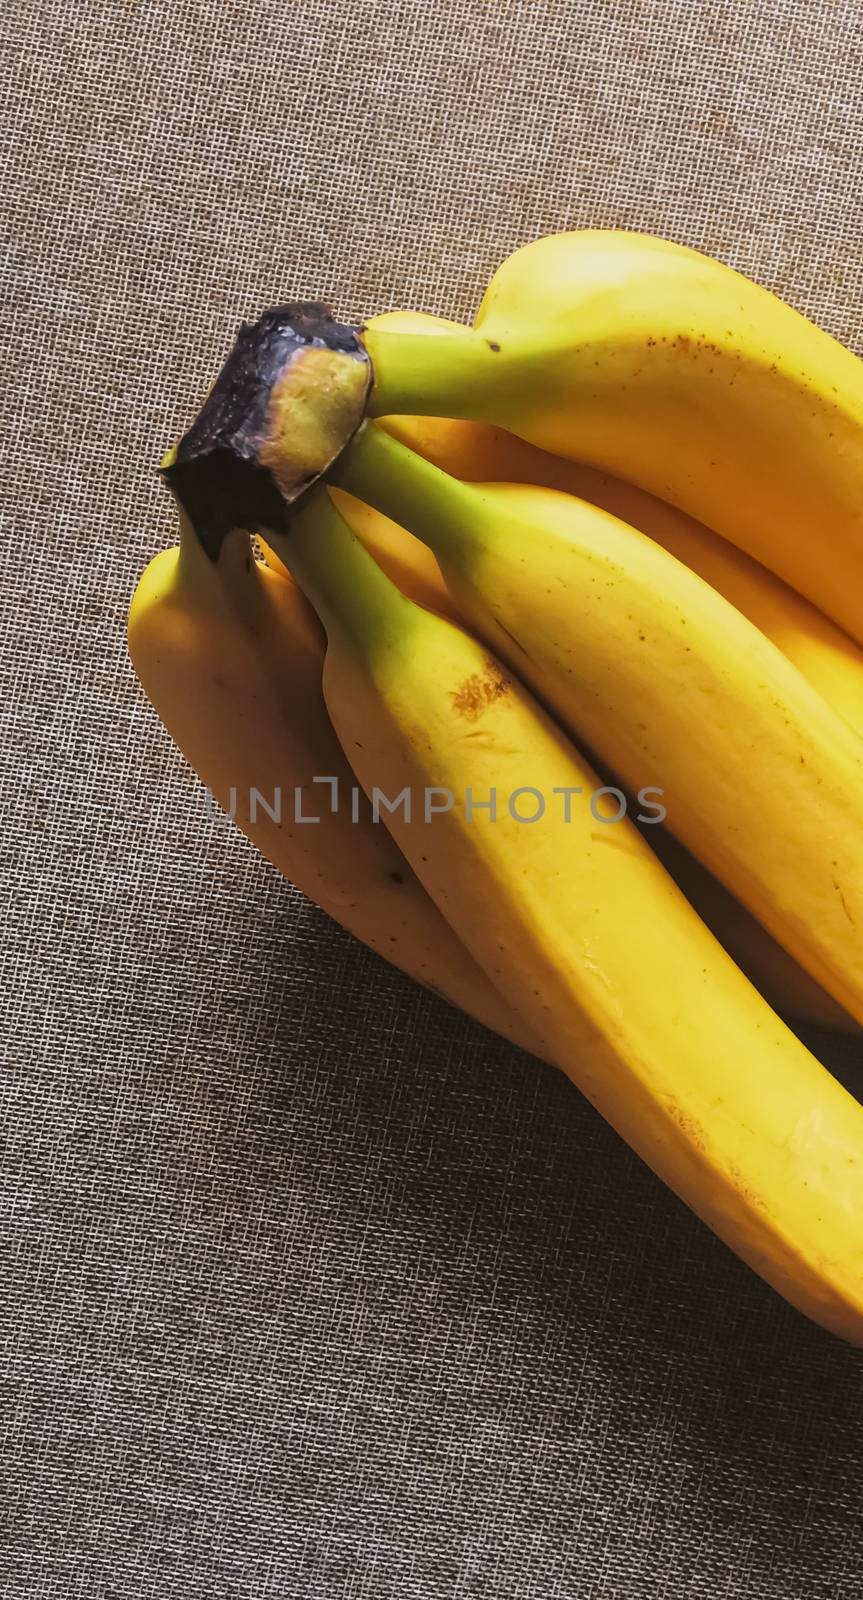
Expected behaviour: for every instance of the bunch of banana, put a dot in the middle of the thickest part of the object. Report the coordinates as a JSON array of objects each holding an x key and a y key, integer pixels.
[
  {"x": 231, "y": 655},
  {"x": 653, "y": 362},
  {"x": 521, "y": 634}
]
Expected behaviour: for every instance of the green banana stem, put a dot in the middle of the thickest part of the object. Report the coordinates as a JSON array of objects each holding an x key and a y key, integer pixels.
[
  {"x": 448, "y": 374},
  {"x": 344, "y": 583},
  {"x": 439, "y": 509}
]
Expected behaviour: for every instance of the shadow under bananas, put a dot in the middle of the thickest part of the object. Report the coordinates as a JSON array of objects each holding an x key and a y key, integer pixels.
[
  {"x": 477, "y": 1229},
  {"x": 841, "y": 1053}
]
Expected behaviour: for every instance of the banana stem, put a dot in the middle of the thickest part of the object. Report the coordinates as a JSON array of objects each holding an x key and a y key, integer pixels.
[
  {"x": 343, "y": 582},
  {"x": 432, "y": 375},
  {"x": 439, "y": 509}
]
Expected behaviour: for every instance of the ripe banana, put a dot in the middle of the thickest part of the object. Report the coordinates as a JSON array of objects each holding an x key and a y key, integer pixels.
[
  {"x": 239, "y": 739},
  {"x": 479, "y": 453},
  {"x": 579, "y": 923},
  {"x": 669, "y": 685},
  {"x": 774, "y": 973},
  {"x": 650, "y": 361},
  {"x": 230, "y": 654}
]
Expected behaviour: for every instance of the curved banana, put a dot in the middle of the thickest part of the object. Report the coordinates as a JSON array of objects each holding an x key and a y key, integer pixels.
[
  {"x": 669, "y": 685},
  {"x": 650, "y": 361},
  {"x": 231, "y": 655},
  {"x": 774, "y": 973},
  {"x": 579, "y": 923},
  {"x": 179, "y": 625},
  {"x": 481, "y": 453}
]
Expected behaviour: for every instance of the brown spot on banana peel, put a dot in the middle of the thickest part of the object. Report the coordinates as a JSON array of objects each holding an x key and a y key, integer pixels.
[
  {"x": 687, "y": 1124},
  {"x": 479, "y": 691},
  {"x": 843, "y": 902},
  {"x": 744, "y": 1189}
]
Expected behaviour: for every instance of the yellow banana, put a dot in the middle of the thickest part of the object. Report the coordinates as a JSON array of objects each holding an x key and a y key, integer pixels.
[
  {"x": 650, "y": 361},
  {"x": 470, "y": 447},
  {"x": 479, "y": 453},
  {"x": 230, "y": 654},
  {"x": 774, "y": 973},
  {"x": 240, "y": 736},
  {"x": 579, "y": 923},
  {"x": 669, "y": 685}
]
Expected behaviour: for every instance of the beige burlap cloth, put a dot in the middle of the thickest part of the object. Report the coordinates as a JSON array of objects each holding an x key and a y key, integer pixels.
[{"x": 310, "y": 1288}]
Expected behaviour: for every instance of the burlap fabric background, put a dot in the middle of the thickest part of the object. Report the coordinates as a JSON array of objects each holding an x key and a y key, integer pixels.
[{"x": 309, "y": 1287}]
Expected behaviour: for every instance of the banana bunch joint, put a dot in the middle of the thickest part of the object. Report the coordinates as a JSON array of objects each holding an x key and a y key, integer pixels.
[{"x": 544, "y": 678}]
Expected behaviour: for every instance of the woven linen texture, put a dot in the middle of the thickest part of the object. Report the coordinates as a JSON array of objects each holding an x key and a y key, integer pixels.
[{"x": 310, "y": 1288}]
